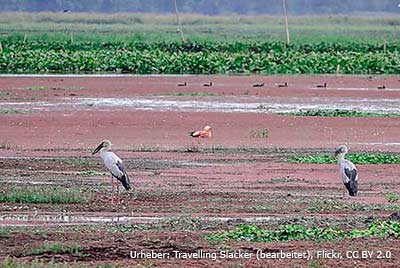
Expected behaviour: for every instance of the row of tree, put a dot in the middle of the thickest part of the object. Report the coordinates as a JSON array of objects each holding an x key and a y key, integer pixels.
[{"x": 209, "y": 7}]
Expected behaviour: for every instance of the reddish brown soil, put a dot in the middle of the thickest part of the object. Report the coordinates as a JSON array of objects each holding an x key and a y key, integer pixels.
[
  {"x": 241, "y": 177},
  {"x": 298, "y": 86},
  {"x": 116, "y": 248}
]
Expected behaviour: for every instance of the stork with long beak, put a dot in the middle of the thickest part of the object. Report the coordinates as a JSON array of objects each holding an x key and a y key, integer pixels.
[
  {"x": 348, "y": 171},
  {"x": 114, "y": 164}
]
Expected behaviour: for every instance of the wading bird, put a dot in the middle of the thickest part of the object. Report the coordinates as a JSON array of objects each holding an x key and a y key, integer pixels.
[
  {"x": 114, "y": 164},
  {"x": 322, "y": 86},
  {"x": 348, "y": 171},
  {"x": 382, "y": 87},
  {"x": 208, "y": 84},
  {"x": 283, "y": 85},
  {"x": 205, "y": 133},
  {"x": 184, "y": 84},
  {"x": 258, "y": 84}
]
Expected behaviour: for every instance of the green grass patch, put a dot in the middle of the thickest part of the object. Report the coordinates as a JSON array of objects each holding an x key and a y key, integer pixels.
[
  {"x": 290, "y": 232},
  {"x": 11, "y": 263},
  {"x": 356, "y": 158},
  {"x": 80, "y": 162},
  {"x": 392, "y": 197},
  {"x": 124, "y": 27},
  {"x": 329, "y": 205},
  {"x": 262, "y": 133},
  {"x": 5, "y": 233},
  {"x": 374, "y": 207},
  {"x": 339, "y": 113},
  {"x": 322, "y": 205},
  {"x": 35, "y": 88},
  {"x": 14, "y": 111},
  {"x": 89, "y": 173},
  {"x": 54, "y": 248},
  {"x": 42, "y": 194}
]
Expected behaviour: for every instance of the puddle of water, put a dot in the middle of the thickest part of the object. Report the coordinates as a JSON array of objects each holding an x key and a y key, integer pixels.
[
  {"x": 378, "y": 143},
  {"x": 30, "y": 182},
  {"x": 248, "y": 104},
  {"x": 66, "y": 219}
]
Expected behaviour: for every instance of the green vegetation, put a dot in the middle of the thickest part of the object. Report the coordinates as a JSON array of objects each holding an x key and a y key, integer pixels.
[
  {"x": 149, "y": 44},
  {"x": 10, "y": 263},
  {"x": 42, "y": 194},
  {"x": 339, "y": 113},
  {"x": 80, "y": 162},
  {"x": 13, "y": 111},
  {"x": 195, "y": 58},
  {"x": 54, "y": 248},
  {"x": 392, "y": 197},
  {"x": 5, "y": 233},
  {"x": 314, "y": 264},
  {"x": 329, "y": 205},
  {"x": 89, "y": 173},
  {"x": 376, "y": 207},
  {"x": 149, "y": 28},
  {"x": 356, "y": 158},
  {"x": 259, "y": 133},
  {"x": 253, "y": 233}
]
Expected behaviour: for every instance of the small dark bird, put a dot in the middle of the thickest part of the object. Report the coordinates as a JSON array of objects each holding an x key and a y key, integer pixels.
[
  {"x": 184, "y": 84},
  {"x": 66, "y": 10},
  {"x": 208, "y": 84},
  {"x": 382, "y": 87},
  {"x": 258, "y": 84},
  {"x": 283, "y": 85},
  {"x": 322, "y": 86}
]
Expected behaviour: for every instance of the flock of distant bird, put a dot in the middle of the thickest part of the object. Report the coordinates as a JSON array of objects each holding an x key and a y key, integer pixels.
[
  {"x": 114, "y": 164},
  {"x": 262, "y": 84}
]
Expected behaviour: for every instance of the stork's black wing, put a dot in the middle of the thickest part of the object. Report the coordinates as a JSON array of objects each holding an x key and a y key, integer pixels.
[
  {"x": 124, "y": 179},
  {"x": 352, "y": 184}
]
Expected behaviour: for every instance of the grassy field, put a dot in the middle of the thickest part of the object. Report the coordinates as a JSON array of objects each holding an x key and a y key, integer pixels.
[
  {"x": 150, "y": 44},
  {"x": 151, "y": 27}
]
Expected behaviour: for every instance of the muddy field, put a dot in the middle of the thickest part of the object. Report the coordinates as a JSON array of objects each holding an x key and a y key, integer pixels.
[{"x": 185, "y": 189}]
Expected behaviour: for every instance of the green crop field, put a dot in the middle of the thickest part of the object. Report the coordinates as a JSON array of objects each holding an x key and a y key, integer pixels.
[{"x": 150, "y": 44}]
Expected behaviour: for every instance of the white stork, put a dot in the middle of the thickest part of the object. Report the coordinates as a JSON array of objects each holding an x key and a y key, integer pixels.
[
  {"x": 348, "y": 171},
  {"x": 114, "y": 164}
]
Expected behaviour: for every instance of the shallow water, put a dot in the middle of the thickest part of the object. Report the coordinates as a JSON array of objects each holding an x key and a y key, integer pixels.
[
  {"x": 79, "y": 219},
  {"x": 229, "y": 104}
]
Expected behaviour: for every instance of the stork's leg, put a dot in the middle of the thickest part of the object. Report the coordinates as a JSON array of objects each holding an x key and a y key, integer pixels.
[
  {"x": 351, "y": 202},
  {"x": 118, "y": 196},
  {"x": 112, "y": 190}
]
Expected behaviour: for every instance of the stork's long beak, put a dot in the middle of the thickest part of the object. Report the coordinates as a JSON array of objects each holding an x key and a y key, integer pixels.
[
  {"x": 97, "y": 149},
  {"x": 337, "y": 152}
]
